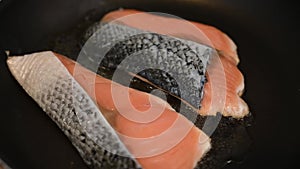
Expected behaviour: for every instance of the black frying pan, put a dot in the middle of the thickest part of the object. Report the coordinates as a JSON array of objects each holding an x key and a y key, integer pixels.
[{"x": 266, "y": 34}]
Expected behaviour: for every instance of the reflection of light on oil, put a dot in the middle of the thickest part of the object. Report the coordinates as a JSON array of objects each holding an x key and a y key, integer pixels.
[{"x": 229, "y": 161}]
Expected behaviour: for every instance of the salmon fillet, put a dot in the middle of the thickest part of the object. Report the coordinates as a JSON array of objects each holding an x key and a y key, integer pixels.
[
  {"x": 54, "y": 89},
  {"x": 155, "y": 23},
  {"x": 225, "y": 82},
  {"x": 184, "y": 134}
]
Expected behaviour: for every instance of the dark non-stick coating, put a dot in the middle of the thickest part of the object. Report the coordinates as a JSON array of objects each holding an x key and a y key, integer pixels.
[{"x": 266, "y": 33}]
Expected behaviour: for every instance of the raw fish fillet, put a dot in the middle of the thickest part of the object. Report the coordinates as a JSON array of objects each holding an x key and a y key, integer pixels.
[
  {"x": 64, "y": 95},
  {"x": 228, "y": 79}
]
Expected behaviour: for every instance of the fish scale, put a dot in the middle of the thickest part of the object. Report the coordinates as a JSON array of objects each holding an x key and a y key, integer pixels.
[{"x": 63, "y": 99}]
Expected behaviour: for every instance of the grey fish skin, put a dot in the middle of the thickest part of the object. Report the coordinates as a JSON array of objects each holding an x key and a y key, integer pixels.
[
  {"x": 176, "y": 66},
  {"x": 49, "y": 83}
]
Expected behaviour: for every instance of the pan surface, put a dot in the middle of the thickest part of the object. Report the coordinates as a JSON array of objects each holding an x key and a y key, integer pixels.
[{"x": 266, "y": 33}]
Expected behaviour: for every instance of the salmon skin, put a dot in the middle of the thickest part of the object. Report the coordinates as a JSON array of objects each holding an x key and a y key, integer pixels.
[{"x": 173, "y": 65}]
